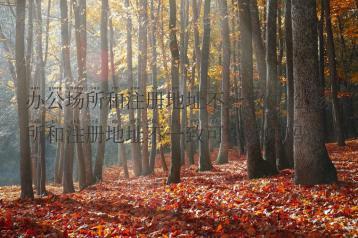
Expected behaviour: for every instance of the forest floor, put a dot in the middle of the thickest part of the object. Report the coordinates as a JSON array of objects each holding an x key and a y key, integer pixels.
[{"x": 220, "y": 203}]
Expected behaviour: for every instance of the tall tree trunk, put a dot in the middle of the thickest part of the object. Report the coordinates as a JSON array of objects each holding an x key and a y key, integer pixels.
[
  {"x": 195, "y": 69},
  {"x": 142, "y": 81},
  {"x": 256, "y": 166},
  {"x": 322, "y": 78},
  {"x": 259, "y": 51},
  {"x": 29, "y": 78},
  {"x": 288, "y": 141},
  {"x": 98, "y": 169},
  {"x": 121, "y": 148},
  {"x": 40, "y": 75},
  {"x": 337, "y": 116},
  {"x": 237, "y": 80},
  {"x": 80, "y": 147},
  {"x": 225, "y": 33},
  {"x": 196, "y": 12},
  {"x": 60, "y": 144},
  {"x": 184, "y": 37},
  {"x": 312, "y": 164},
  {"x": 153, "y": 31},
  {"x": 135, "y": 146},
  {"x": 258, "y": 45},
  {"x": 21, "y": 90},
  {"x": 280, "y": 153},
  {"x": 204, "y": 155},
  {"x": 174, "y": 174},
  {"x": 85, "y": 114},
  {"x": 270, "y": 153},
  {"x": 69, "y": 148},
  {"x": 347, "y": 101},
  {"x": 47, "y": 31},
  {"x": 191, "y": 149}
]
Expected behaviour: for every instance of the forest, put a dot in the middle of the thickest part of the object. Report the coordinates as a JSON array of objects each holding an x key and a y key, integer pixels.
[{"x": 178, "y": 118}]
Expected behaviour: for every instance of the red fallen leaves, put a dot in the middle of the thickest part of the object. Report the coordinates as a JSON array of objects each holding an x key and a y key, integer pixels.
[{"x": 217, "y": 203}]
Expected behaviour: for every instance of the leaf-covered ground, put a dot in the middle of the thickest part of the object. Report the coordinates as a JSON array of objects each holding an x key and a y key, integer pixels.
[{"x": 220, "y": 203}]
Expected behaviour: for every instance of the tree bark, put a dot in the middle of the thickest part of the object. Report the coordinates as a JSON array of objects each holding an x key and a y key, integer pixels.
[
  {"x": 225, "y": 87},
  {"x": 21, "y": 90},
  {"x": 270, "y": 125},
  {"x": 204, "y": 155},
  {"x": 256, "y": 166},
  {"x": 288, "y": 141},
  {"x": 312, "y": 164},
  {"x": 40, "y": 76},
  {"x": 121, "y": 148},
  {"x": 67, "y": 180},
  {"x": 337, "y": 110},
  {"x": 98, "y": 169},
  {"x": 184, "y": 37},
  {"x": 135, "y": 147},
  {"x": 142, "y": 81},
  {"x": 258, "y": 45},
  {"x": 153, "y": 31},
  {"x": 80, "y": 147},
  {"x": 174, "y": 174}
]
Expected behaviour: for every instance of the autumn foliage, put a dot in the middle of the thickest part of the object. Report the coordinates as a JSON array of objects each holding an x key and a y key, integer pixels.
[{"x": 220, "y": 203}]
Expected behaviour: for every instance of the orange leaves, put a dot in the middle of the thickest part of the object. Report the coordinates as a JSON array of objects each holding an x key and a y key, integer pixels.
[{"x": 220, "y": 203}]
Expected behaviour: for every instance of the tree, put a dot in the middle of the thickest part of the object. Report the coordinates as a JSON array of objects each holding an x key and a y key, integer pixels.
[
  {"x": 40, "y": 76},
  {"x": 225, "y": 32},
  {"x": 321, "y": 56},
  {"x": 204, "y": 156},
  {"x": 84, "y": 159},
  {"x": 312, "y": 164},
  {"x": 270, "y": 124},
  {"x": 121, "y": 148},
  {"x": 256, "y": 166},
  {"x": 195, "y": 69},
  {"x": 174, "y": 174},
  {"x": 135, "y": 147},
  {"x": 21, "y": 90},
  {"x": 153, "y": 31},
  {"x": 98, "y": 169},
  {"x": 142, "y": 81},
  {"x": 67, "y": 179},
  {"x": 85, "y": 113},
  {"x": 287, "y": 162},
  {"x": 258, "y": 44},
  {"x": 184, "y": 38},
  {"x": 337, "y": 110}
]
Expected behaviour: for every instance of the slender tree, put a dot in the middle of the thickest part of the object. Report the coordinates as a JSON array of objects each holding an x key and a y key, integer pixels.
[
  {"x": 225, "y": 32},
  {"x": 258, "y": 45},
  {"x": 40, "y": 76},
  {"x": 321, "y": 57},
  {"x": 98, "y": 169},
  {"x": 142, "y": 81},
  {"x": 67, "y": 179},
  {"x": 288, "y": 141},
  {"x": 85, "y": 113},
  {"x": 135, "y": 146},
  {"x": 79, "y": 146},
  {"x": 174, "y": 174},
  {"x": 22, "y": 89},
  {"x": 153, "y": 40},
  {"x": 121, "y": 148},
  {"x": 312, "y": 164},
  {"x": 204, "y": 155},
  {"x": 184, "y": 37},
  {"x": 256, "y": 166},
  {"x": 337, "y": 110},
  {"x": 270, "y": 124}
]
